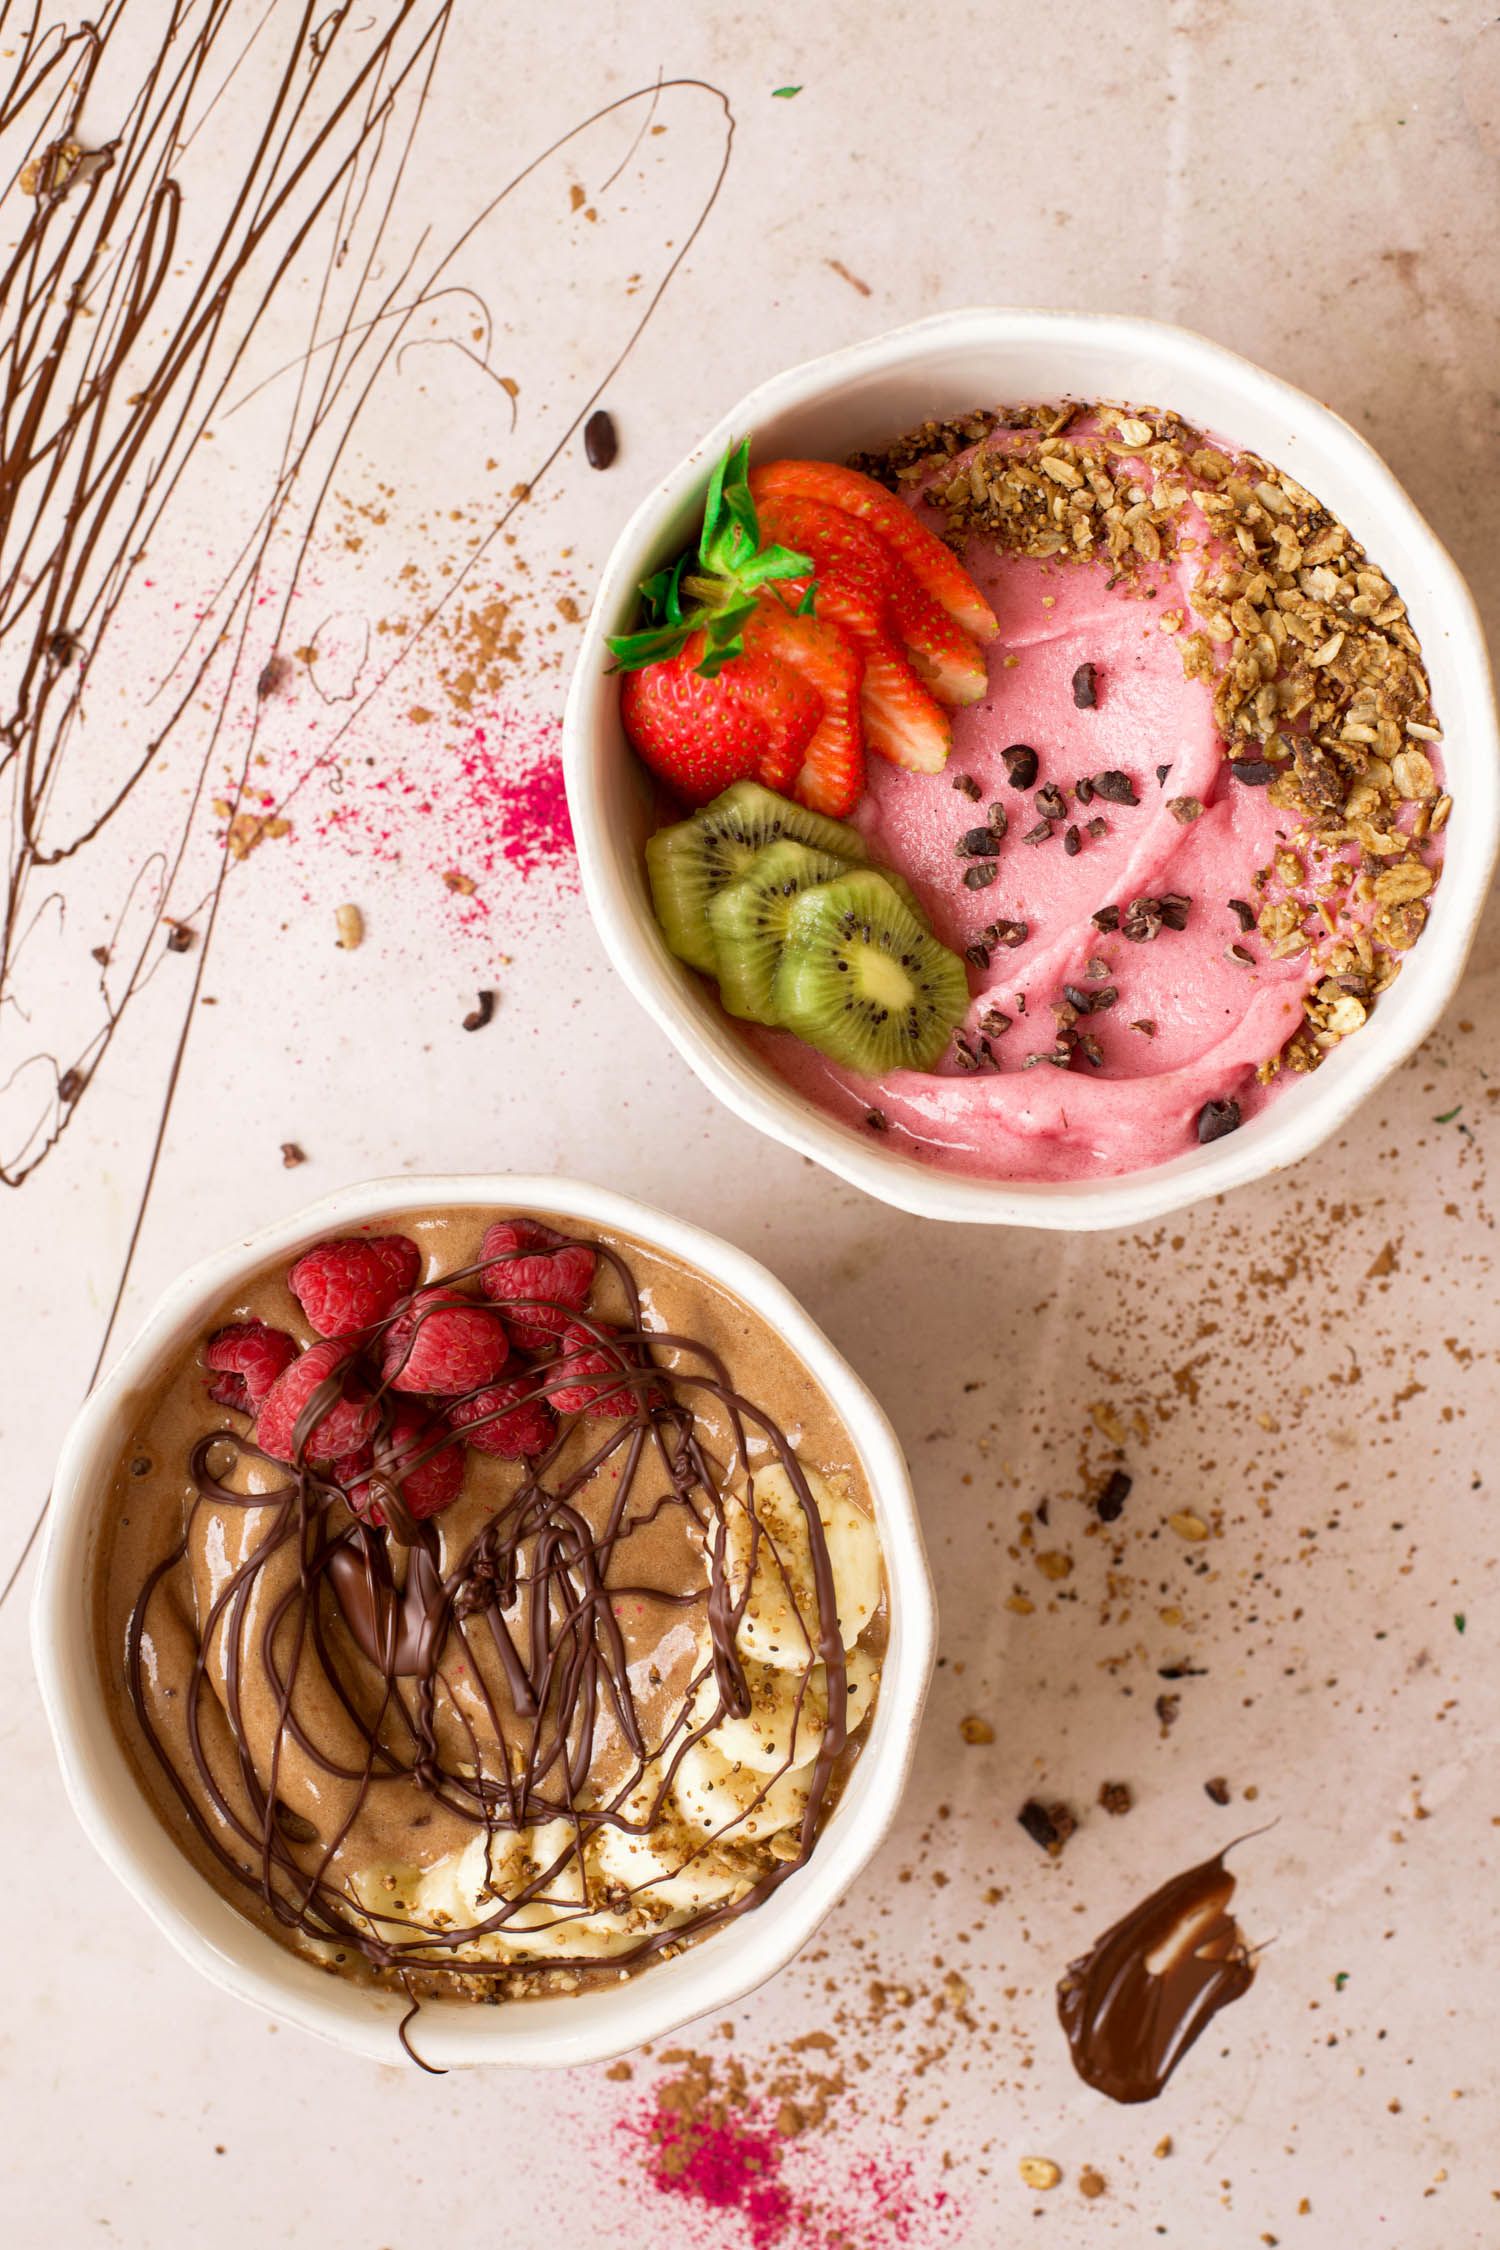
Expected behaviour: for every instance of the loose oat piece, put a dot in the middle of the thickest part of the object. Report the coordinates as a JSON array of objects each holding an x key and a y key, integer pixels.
[
  {"x": 1040, "y": 2171},
  {"x": 1319, "y": 690},
  {"x": 976, "y": 1730},
  {"x": 351, "y": 927}
]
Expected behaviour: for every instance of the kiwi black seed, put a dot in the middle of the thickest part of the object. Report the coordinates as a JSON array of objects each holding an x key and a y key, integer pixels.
[
  {"x": 861, "y": 980},
  {"x": 749, "y": 918}
]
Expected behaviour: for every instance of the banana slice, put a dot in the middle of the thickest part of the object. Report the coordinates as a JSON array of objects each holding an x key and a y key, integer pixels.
[
  {"x": 468, "y": 1886},
  {"x": 780, "y": 1622},
  {"x": 783, "y": 1726},
  {"x": 673, "y": 1870},
  {"x": 549, "y": 1924},
  {"x": 726, "y": 1800}
]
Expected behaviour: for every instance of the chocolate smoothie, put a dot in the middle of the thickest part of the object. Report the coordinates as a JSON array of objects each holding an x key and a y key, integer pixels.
[{"x": 480, "y": 1726}]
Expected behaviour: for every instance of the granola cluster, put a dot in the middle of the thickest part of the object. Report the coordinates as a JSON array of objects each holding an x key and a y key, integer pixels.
[{"x": 1319, "y": 689}]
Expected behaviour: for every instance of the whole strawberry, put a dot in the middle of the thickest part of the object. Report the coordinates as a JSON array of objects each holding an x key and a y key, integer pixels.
[{"x": 729, "y": 679}]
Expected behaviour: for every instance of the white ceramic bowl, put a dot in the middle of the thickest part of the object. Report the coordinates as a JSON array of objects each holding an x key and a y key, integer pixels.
[
  {"x": 586, "y": 2027},
  {"x": 861, "y": 397}
]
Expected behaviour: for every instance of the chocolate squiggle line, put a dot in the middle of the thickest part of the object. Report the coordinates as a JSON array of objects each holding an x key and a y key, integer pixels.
[
  {"x": 404, "y": 1638},
  {"x": 88, "y": 275}
]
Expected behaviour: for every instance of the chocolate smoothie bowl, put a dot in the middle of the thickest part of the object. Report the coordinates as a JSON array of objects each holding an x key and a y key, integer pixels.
[{"x": 485, "y": 1613}]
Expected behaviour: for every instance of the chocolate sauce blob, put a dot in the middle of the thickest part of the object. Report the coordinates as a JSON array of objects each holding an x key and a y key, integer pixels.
[{"x": 1136, "y": 2001}]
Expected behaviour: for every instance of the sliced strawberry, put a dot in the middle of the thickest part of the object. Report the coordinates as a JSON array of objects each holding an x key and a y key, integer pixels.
[
  {"x": 694, "y": 730},
  {"x": 832, "y": 775},
  {"x": 790, "y": 710},
  {"x": 930, "y": 562},
  {"x": 939, "y": 651},
  {"x": 902, "y": 722}
]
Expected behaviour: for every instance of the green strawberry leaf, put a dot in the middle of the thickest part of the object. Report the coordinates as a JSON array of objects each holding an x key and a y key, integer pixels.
[
  {"x": 662, "y": 596},
  {"x": 632, "y": 652},
  {"x": 718, "y": 595}
]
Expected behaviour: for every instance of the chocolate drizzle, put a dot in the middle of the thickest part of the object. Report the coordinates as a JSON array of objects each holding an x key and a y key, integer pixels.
[
  {"x": 1134, "y": 2004},
  {"x": 365, "y": 1627}
]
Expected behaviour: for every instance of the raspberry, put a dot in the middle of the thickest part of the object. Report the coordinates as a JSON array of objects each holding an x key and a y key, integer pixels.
[
  {"x": 247, "y": 1357},
  {"x": 443, "y": 1342},
  {"x": 586, "y": 1355},
  {"x": 354, "y": 1281},
  {"x": 346, "y": 1424},
  {"x": 506, "y": 1418},
  {"x": 428, "y": 1479},
  {"x": 535, "y": 1263}
]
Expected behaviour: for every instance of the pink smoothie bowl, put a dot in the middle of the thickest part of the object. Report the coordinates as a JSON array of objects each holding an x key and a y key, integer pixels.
[{"x": 862, "y": 397}]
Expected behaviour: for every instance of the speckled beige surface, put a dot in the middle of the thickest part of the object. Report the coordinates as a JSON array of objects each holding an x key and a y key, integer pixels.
[{"x": 1308, "y": 1368}]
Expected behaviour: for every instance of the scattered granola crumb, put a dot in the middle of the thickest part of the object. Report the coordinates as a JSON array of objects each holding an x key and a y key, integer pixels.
[
  {"x": 246, "y": 830},
  {"x": 479, "y": 1016},
  {"x": 1116, "y": 1797},
  {"x": 1090, "y": 2182},
  {"x": 1112, "y": 1499},
  {"x": 975, "y": 1729},
  {"x": 1047, "y": 1825},
  {"x": 1218, "y": 1789},
  {"x": 1040, "y": 2172},
  {"x": 292, "y": 1154}
]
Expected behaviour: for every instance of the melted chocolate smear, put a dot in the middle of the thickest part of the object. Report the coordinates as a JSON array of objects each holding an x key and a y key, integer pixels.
[
  {"x": 573, "y": 1665},
  {"x": 1134, "y": 2004}
]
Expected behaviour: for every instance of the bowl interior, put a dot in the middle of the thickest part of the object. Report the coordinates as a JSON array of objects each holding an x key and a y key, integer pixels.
[
  {"x": 863, "y": 397},
  {"x": 211, "y": 1933}
]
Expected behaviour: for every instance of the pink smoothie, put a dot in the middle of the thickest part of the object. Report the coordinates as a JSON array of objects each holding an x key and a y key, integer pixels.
[{"x": 1218, "y": 1003}]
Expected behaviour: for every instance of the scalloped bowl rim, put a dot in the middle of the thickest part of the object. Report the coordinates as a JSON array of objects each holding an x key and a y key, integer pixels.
[
  {"x": 241, "y": 1958},
  {"x": 1160, "y": 360}
]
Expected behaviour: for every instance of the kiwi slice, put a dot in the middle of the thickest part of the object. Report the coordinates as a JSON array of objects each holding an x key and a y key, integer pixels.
[
  {"x": 861, "y": 980},
  {"x": 907, "y": 896},
  {"x": 689, "y": 862},
  {"x": 749, "y": 919}
]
